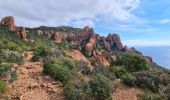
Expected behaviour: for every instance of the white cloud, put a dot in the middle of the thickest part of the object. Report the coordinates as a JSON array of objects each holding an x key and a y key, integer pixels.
[
  {"x": 164, "y": 21},
  {"x": 63, "y": 12},
  {"x": 147, "y": 42}
]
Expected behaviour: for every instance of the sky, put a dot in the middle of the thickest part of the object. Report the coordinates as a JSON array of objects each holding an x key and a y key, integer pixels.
[{"x": 138, "y": 22}]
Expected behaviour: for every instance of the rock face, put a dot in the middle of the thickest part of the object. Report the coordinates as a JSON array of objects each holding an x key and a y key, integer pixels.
[
  {"x": 102, "y": 59},
  {"x": 20, "y": 32},
  {"x": 39, "y": 32},
  {"x": 57, "y": 37},
  {"x": 8, "y": 21},
  {"x": 91, "y": 44},
  {"x": 77, "y": 56},
  {"x": 114, "y": 41}
]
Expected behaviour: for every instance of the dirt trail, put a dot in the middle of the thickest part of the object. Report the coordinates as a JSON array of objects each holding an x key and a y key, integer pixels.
[
  {"x": 32, "y": 84},
  {"x": 126, "y": 93}
]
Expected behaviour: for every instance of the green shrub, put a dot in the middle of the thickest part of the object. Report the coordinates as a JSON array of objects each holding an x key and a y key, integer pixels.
[
  {"x": 11, "y": 57},
  {"x": 4, "y": 69},
  {"x": 105, "y": 71},
  {"x": 149, "y": 80},
  {"x": 36, "y": 58},
  {"x": 74, "y": 90},
  {"x": 101, "y": 87},
  {"x": 118, "y": 70},
  {"x": 128, "y": 79},
  {"x": 148, "y": 95},
  {"x": 41, "y": 53},
  {"x": 60, "y": 69},
  {"x": 132, "y": 63},
  {"x": 3, "y": 87}
]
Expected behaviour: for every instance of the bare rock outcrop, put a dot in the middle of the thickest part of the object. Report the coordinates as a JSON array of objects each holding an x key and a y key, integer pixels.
[
  {"x": 102, "y": 59},
  {"x": 8, "y": 21},
  {"x": 114, "y": 41},
  {"x": 91, "y": 44},
  {"x": 21, "y": 32},
  {"x": 77, "y": 56},
  {"x": 57, "y": 37}
]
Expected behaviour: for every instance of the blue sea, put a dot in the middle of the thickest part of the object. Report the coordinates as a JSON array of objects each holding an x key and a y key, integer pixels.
[{"x": 160, "y": 55}]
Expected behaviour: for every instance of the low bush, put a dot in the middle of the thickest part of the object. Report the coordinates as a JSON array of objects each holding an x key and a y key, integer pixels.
[
  {"x": 129, "y": 79},
  {"x": 118, "y": 70},
  {"x": 11, "y": 57},
  {"x": 3, "y": 87},
  {"x": 74, "y": 90},
  {"x": 101, "y": 87},
  {"x": 148, "y": 80},
  {"x": 132, "y": 63},
  {"x": 148, "y": 95},
  {"x": 60, "y": 69},
  {"x": 4, "y": 69}
]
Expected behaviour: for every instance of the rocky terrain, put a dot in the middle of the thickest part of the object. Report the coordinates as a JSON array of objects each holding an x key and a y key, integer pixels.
[{"x": 54, "y": 56}]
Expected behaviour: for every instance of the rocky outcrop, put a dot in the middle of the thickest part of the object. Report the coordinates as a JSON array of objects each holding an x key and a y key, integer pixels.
[
  {"x": 39, "y": 32},
  {"x": 125, "y": 49},
  {"x": 85, "y": 34},
  {"x": 102, "y": 59},
  {"x": 77, "y": 56},
  {"x": 20, "y": 32},
  {"x": 114, "y": 41},
  {"x": 8, "y": 21},
  {"x": 57, "y": 37},
  {"x": 91, "y": 44},
  {"x": 149, "y": 59}
]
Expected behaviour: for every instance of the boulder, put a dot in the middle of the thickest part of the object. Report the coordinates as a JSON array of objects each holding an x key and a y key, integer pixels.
[
  {"x": 57, "y": 37},
  {"x": 8, "y": 21},
  {"x": 91, "y": 44},
  {"x": 20, "y": 32},
  {"x": 102, "y": 59},
  {"x": 39, "y": 32},
  {"x": 76, "y": 55}
]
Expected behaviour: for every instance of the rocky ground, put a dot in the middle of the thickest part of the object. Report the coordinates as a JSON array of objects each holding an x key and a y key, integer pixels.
[
  {"x": 32, "y": 84},
  {"x": 124, "y": 92}
]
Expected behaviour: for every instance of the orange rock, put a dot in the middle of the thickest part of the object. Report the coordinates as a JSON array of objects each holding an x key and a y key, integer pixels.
[
  {"x": 39, "y": 32},
  {"x": 102, "y": 59},
  {"x": 57, "y": 37},
  {"x": 21, "y": 32},
  {"x": 8, "y": 21},
  {"x": 77, "y": 56}
]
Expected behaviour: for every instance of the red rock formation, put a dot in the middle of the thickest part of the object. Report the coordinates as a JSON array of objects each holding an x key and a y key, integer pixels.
[
  {"x": 39, "y": 32},
  {"x": 83, "y": 35},
  {"x": 91, "y": 43},
  {"x": 77, "y": 56},
  {"x": 114, "y": 41},
  {"x": 102, "y": 59},
  {"x": 8, "y": 21},
  {"x": 57, "y": 37},
  {"x": 21, "y": 32}
]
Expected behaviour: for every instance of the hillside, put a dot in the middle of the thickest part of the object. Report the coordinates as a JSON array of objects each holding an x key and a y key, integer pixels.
[{"x": 56, "y": 63}]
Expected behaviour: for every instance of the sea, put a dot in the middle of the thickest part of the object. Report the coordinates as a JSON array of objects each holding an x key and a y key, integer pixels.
[{"x": 160, "y": 54}]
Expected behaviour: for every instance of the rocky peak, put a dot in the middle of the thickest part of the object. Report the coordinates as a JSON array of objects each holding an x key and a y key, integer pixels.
[
  {"x": 114, "y": 41},
  {"x": 84, "y": 34},
  {"x": 8, "y": 21}
]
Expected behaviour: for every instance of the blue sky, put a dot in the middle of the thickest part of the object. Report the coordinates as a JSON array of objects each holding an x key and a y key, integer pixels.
[
  {"x": 153, "y": 27},
  {"x": 138, "y": 22}
]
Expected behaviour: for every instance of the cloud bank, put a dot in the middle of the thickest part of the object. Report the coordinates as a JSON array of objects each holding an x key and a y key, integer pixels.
[{"x": 77, "y": 13}]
